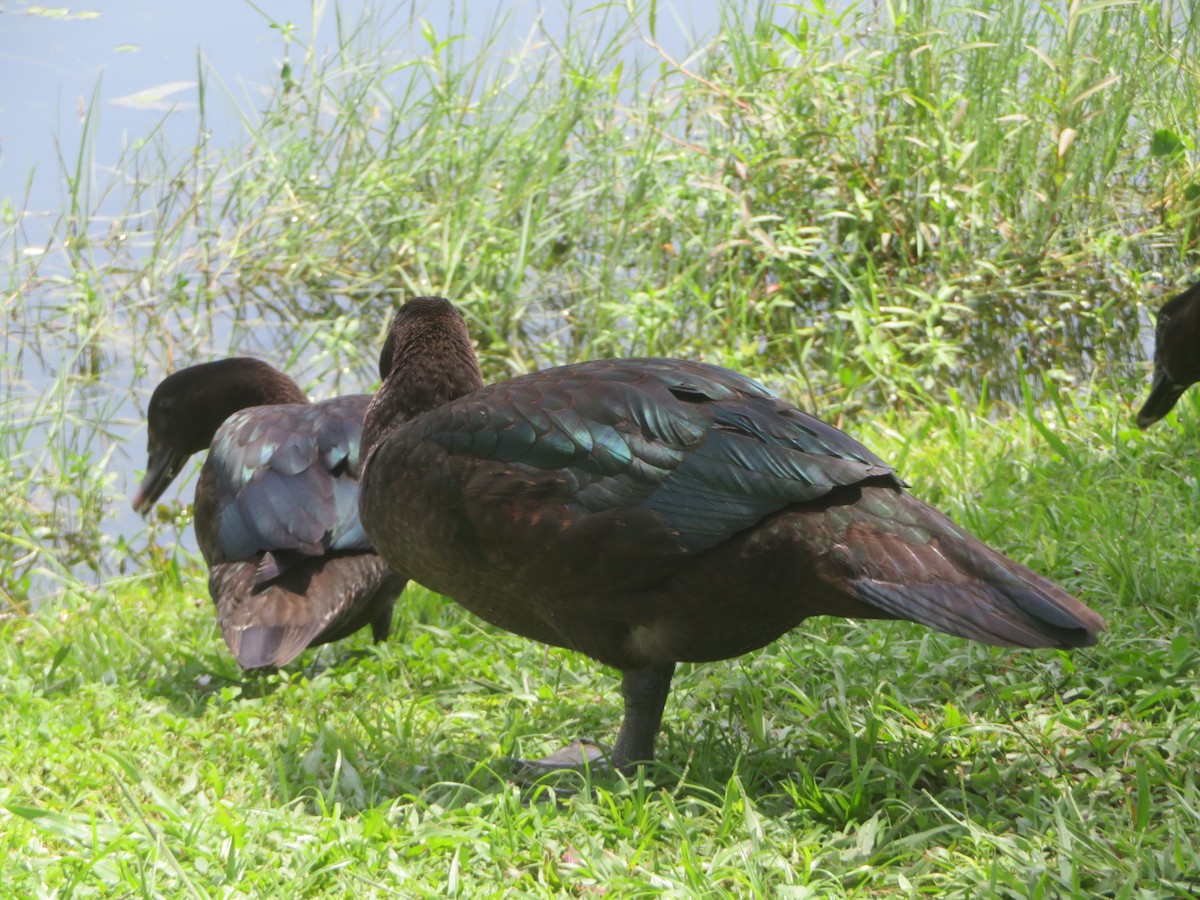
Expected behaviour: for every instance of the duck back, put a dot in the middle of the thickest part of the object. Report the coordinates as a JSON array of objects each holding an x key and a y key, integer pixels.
[{"x": 277, "y": 521}]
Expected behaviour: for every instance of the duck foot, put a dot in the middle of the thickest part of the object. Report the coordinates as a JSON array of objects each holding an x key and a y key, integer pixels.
[{"x": 577, "y": 755}]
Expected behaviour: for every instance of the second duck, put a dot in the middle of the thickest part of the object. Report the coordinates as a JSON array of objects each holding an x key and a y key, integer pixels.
[{"x": 276, "y": 507}]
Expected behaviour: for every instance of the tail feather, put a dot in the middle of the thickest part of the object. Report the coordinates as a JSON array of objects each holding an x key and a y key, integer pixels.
[
  {"x": 923, "y": 567},
  {"x": 265, "y": 646},
  {"x": 316, "y": 602},
  {"x": 270, "y": 627},
  {"x": 1056, "y": 621},
  {"x": 983, "y": 614}
]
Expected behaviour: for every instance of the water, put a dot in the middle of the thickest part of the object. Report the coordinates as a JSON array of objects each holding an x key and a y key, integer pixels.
[{"x": 141, "y": 60}]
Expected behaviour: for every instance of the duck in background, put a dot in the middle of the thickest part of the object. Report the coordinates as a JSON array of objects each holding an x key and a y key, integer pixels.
[
  {"x": 276, "y": 509},
  {"x": 647, "y": 512},
  {"x": 1176, "y": 355}
]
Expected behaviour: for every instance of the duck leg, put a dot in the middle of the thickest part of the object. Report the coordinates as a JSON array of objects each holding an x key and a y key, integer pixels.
[
  {"x": 645, "y": 692},
  {"x": 381, "y": 624}
]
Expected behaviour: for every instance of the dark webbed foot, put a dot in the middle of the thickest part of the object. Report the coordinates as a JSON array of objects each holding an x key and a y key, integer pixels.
[{"x": 582, "y": 754}]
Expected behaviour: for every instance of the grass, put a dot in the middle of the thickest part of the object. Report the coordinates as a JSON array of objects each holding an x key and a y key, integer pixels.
[{"x": 938, "y": 227}]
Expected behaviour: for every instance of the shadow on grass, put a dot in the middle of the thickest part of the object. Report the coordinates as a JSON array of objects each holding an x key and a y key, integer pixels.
[{"x": 197, "y": 680}]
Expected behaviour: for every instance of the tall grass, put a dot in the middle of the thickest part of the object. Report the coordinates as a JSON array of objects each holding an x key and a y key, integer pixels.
[{"x": 935, "y": 189}]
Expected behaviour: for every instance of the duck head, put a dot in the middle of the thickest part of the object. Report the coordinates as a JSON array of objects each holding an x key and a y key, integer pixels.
[
  {"x": 188, "y": 407},
  {"x": 1176, "y": 355}
]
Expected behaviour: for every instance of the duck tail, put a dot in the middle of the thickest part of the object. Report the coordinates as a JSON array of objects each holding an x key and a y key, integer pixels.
[{"x": 910, "y": 561}]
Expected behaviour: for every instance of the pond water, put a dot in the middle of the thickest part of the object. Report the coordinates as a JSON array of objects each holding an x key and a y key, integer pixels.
[{"x": 140, "y": 59}]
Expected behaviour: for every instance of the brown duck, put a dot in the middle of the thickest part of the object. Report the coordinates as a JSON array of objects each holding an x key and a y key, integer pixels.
[
  {"x": 651, "y": 511},
  {"x": 276, "y": 507}
]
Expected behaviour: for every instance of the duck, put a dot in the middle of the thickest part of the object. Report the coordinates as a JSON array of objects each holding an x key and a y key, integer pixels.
[
  {"x": 1176, "y": 355},
  {"x": 276, "y": 507},
  {"x": 649, "y": 512}
]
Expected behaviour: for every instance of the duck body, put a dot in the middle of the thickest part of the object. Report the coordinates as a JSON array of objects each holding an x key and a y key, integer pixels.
[
  {"x": 651, "y": 511},
  {"x": 276, "y": 509},
  {"x": 1176, "y": 355}
]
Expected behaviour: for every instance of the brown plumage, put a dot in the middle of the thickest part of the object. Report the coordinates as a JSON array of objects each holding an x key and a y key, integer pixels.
[{"x": 652, "y": 511}]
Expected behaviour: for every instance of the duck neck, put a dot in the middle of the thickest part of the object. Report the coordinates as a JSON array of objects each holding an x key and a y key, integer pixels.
[
  {"x": 258, "y": 386},
  {"x": 430, "y": 368}
]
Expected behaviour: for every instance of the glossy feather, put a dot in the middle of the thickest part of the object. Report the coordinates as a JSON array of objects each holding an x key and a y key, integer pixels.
[
  {"x": 285, "y": 478},
  {"x": 276, "y": 509},
  {"x": 651, "y": 511}
]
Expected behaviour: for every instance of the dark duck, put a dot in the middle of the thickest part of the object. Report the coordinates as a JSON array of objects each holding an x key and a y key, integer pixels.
[
  {"x": 276, "y": 509},
  {"x": 1176, "y": 355},
  {"x": 647, "y": 512}
]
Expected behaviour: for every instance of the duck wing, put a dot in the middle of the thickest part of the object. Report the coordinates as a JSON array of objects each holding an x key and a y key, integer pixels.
[
  {"x": 277, "y": 521},
  {"x": 676, "y": 455},
  {"x": 283, "y": 481}
]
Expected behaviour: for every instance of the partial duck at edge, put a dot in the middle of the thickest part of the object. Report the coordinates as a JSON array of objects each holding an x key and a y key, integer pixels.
[
  {"x": 1176, "y": 355},
  {"x": 647, "y": 512},
  {"x": 276, "y": 509}
]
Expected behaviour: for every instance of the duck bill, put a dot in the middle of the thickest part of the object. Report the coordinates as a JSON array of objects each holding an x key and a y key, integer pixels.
[
  {"x": 161, "y": 468},
  {"x": 1163, "y": 395}
]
